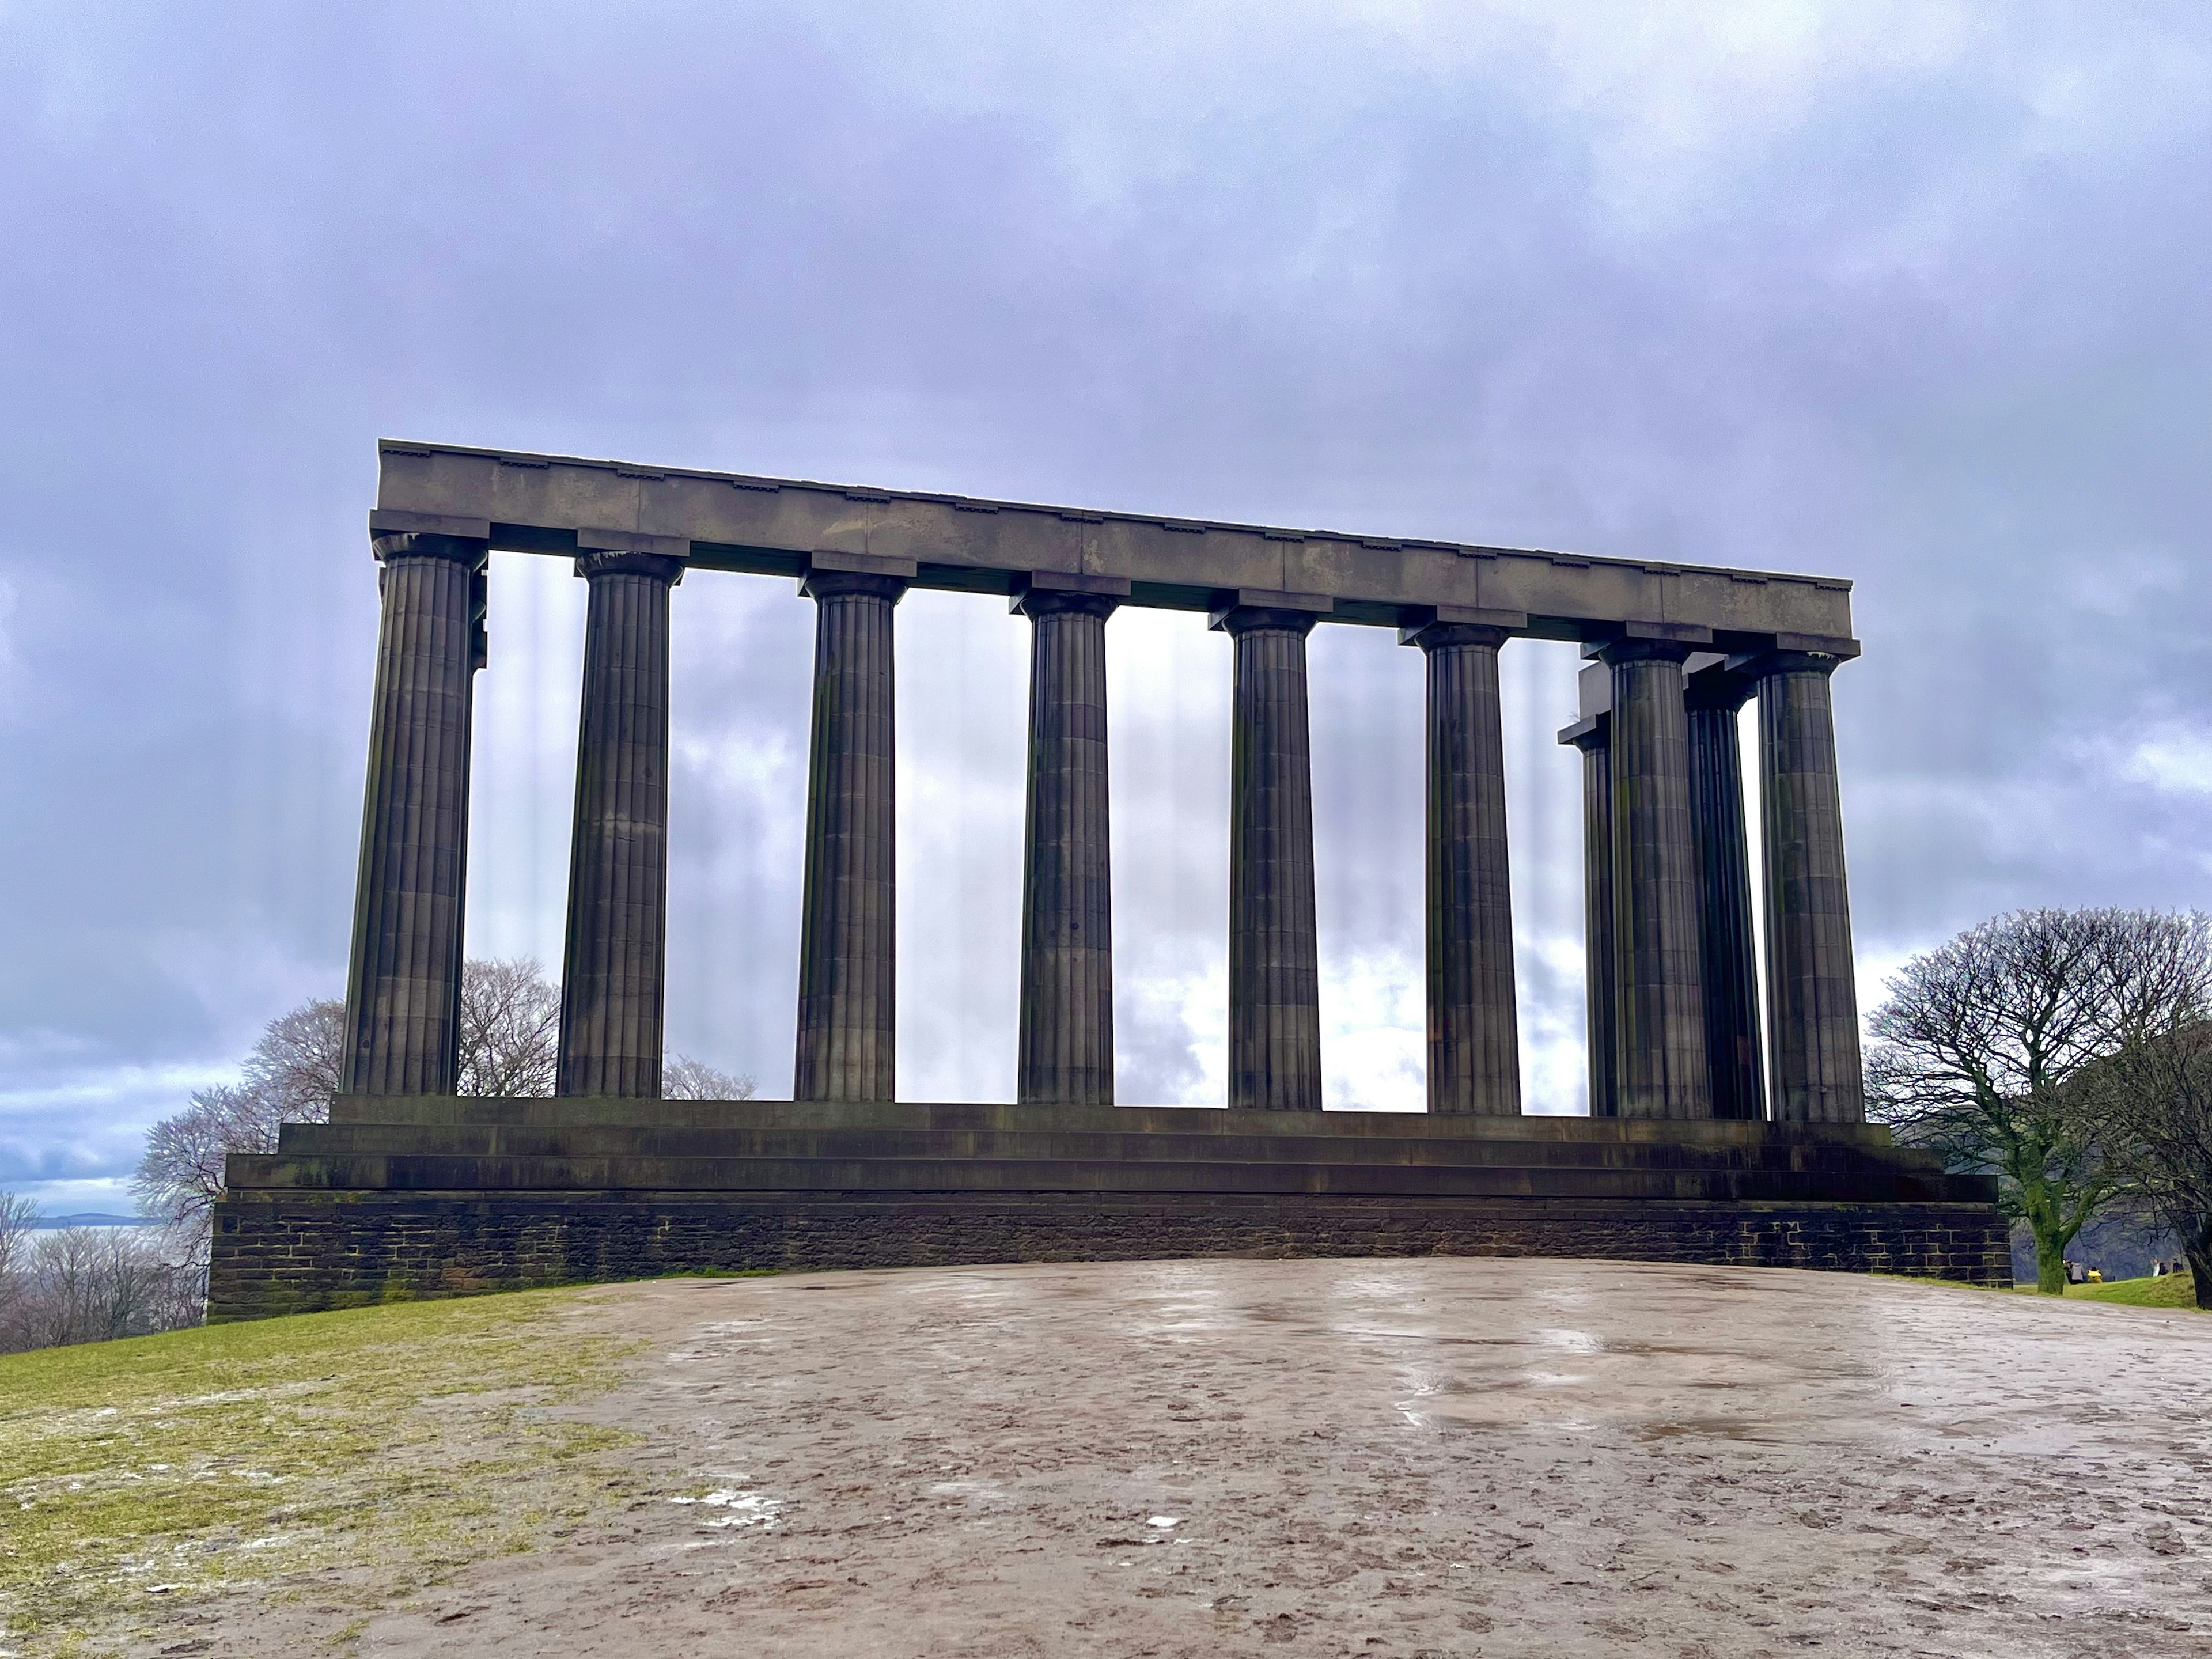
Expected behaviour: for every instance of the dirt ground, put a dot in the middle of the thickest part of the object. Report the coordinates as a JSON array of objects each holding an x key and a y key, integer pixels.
[{"x": 1357, "y": 1457}]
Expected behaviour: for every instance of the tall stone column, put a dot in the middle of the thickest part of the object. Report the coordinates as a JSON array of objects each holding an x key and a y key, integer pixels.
[
  {"x": 1065, "y": 1054},
  {"x": 1812, "y": 1012},
  {"x": 1730, "y": 951},
  {"x": 1274, "y": 961},
  {"x": 612, "y": 984},
  {"x": 1660, "y": 1015},
  {"x": 847, "y": 948},
  {"x": 1475, "y": 1044},
  {"x": 404, "y": 981},
  {"x": 1593, "y": 735}
]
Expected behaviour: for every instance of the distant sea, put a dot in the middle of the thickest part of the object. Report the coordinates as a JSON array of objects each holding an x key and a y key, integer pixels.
[{"x": 91, "y": 1219}]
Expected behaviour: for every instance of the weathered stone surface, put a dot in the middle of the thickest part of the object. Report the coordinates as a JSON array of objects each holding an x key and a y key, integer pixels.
[
  {"x": 613, "y": 990},
  {"x": 848, "y": 953},
  {"x": 1813, "y": 1013},
  {"x": 774, "y": 526},
  {"x": 1474, "y": 1041},
  {"x": 1274, "y": 961},
  {"x": 1066, "y": 1045},
  {"x": 275, "y": 1256},
  {"x": 1730, "y": 949},
  {"x": 1660, "y": 1013},
  {"x": 654, "y": 1184},
  {"x": 403, "y": 983}
]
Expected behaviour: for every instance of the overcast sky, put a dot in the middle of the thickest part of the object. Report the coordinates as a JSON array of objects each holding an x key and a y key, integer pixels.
[{"x": 1911, "y": 294}]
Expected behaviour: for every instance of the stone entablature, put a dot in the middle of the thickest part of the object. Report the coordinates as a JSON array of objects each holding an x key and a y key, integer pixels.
[{"x": 776, "y": 526}]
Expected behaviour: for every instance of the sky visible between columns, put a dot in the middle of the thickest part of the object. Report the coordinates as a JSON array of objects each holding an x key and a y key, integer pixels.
[{"x": 742, "y": 650}]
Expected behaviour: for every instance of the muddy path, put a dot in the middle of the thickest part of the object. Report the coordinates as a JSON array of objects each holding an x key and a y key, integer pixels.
[{"x": 1433, "y": 1456}]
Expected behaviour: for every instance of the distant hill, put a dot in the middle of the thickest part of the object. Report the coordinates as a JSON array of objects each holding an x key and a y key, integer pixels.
[
  {"x": 2118, "y": 1244},
  {"x": 91, "y": 1219}
]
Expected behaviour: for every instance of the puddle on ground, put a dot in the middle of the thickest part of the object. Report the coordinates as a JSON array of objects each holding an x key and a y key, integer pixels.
[
  {"x": 1711, "y": 1428},
  {"x": 737, "y": 1509}
]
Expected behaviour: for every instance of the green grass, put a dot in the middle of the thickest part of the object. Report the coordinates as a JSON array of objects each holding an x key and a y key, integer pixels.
[
  {"x": 2168, "y": 1290},
  {"x": 390, "y": 1443}
]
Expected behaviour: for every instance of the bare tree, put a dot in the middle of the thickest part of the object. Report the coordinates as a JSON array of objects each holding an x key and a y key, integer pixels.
[
  {"x": 91, "y": 1284},
  {"x": 509, "y": 1039},
  {"x": 180, "y": 1175},
  {"x": 18, "y": 1215},
  {"x": 300, "y": 1061},
  {"x": 2150, "y": 1106},
  {"x": 683, "y": 1077},
  {"x": 1978, "y": 1042},
  {"x": 510, "y": 1030}
]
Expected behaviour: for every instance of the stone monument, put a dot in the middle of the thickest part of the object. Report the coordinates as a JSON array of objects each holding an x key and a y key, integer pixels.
[{"x": 1698, "y": 1146}]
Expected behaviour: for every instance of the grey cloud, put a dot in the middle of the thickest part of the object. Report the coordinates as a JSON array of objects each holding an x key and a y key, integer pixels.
[{"x": 1915, "y": 300}]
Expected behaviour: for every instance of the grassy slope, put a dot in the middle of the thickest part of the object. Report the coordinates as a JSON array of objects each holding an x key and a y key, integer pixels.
[
  {"x": 287, "y": 1449},
  {"x": 2170, "y": 1291}
]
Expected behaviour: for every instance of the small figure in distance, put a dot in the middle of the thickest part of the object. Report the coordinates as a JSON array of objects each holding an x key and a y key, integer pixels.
[{"x": 2095, "y": 1278}]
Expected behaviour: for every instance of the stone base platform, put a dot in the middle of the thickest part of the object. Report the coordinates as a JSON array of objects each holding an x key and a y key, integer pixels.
[{"x": 435, "y": 1196}]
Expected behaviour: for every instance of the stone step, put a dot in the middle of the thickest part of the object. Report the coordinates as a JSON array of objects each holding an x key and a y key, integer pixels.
[
  {"x": 462, "y": 1110},
  {"x": 427, "y": 1172},
  {"x": 727, "y": 1141}
]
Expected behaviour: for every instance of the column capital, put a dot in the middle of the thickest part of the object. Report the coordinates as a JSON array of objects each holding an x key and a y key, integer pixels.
[
  {"x": 387, "y": 545},
  {"x": 1756, "y": 665},
  {"x": 1649, "y": 643},
  {"x": 1049, "y": 602},
  {"x": 1591, "y": 732},
  {"x": 832, "y": 575},
  {"x": 1719, "y": 686},
  {"x": 1259, "y": 610},
  {"x": 396, "y": 535},
  {"x": 1052, "y": 593},
  {"x": 611, "y": 561},
  {"x": 838, "y": 583},
  {"x": 1439, "y": 635},
  {"x": 1431, "y": 625}
]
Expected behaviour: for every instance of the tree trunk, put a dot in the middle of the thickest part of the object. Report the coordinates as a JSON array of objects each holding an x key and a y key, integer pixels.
[
  {"x": 2050, "y": 1259},
  {"x": 2198, "y": 1249},
  {"x": 2046, "y": 1217}
]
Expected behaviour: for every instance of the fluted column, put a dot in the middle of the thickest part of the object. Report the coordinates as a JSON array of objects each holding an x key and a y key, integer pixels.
[
  {"x": 1275, "y": 965},
  {"x": 1474, "y": 1045},
  {"x": 1730, "y": 948},
  {"x": 1065, "y": 1054},
  {"x": 1593, "y": 735},
  {"x": 848, "y": 1013},
  {"x": 1660, "y": 1015},
  {"x": 613, "y": 981},
  {"x": 1813, "y": 1013},
  {"x": 404, "y": 981}
]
